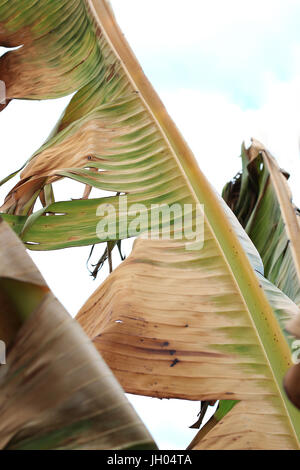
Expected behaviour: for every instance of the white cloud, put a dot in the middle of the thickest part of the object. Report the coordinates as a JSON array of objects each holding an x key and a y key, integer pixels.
[
  {"x": 173, "y": 23},
  {"x": 169, "y": 420},
  {"x": 214, "y": 128}
]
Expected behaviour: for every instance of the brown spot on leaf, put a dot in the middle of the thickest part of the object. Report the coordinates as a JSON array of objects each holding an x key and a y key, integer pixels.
[{"x": 174, "y": 362}]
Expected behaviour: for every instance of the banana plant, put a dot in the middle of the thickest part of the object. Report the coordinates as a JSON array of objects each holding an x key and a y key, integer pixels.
[
  {"x": 261, "y": 199},
  {"x": 56, "y": 392},
  {"x": 178, "y": 318}
]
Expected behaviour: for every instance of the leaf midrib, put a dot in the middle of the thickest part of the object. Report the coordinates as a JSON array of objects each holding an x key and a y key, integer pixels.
[{"x": 230, "y": 247}]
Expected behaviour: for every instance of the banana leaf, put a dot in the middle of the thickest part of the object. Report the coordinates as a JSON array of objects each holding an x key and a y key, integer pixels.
[
  {"x": 292, "y": 377},
  {"x": 261, "y": 199},
  {"x": 56, "y": 392},
  {"x": 171, "y": 321}
]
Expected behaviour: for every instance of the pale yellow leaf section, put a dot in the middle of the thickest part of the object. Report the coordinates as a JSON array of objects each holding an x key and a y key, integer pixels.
[
  {"x": 252, "y": 425},
  {"x": 171, "y": 323}
]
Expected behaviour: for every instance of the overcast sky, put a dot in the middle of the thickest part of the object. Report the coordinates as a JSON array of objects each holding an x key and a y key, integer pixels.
[{"x": 226, "y": 71}]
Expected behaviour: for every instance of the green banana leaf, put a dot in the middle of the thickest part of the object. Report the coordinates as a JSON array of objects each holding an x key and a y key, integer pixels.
[{"x": 261, "y": 200}]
